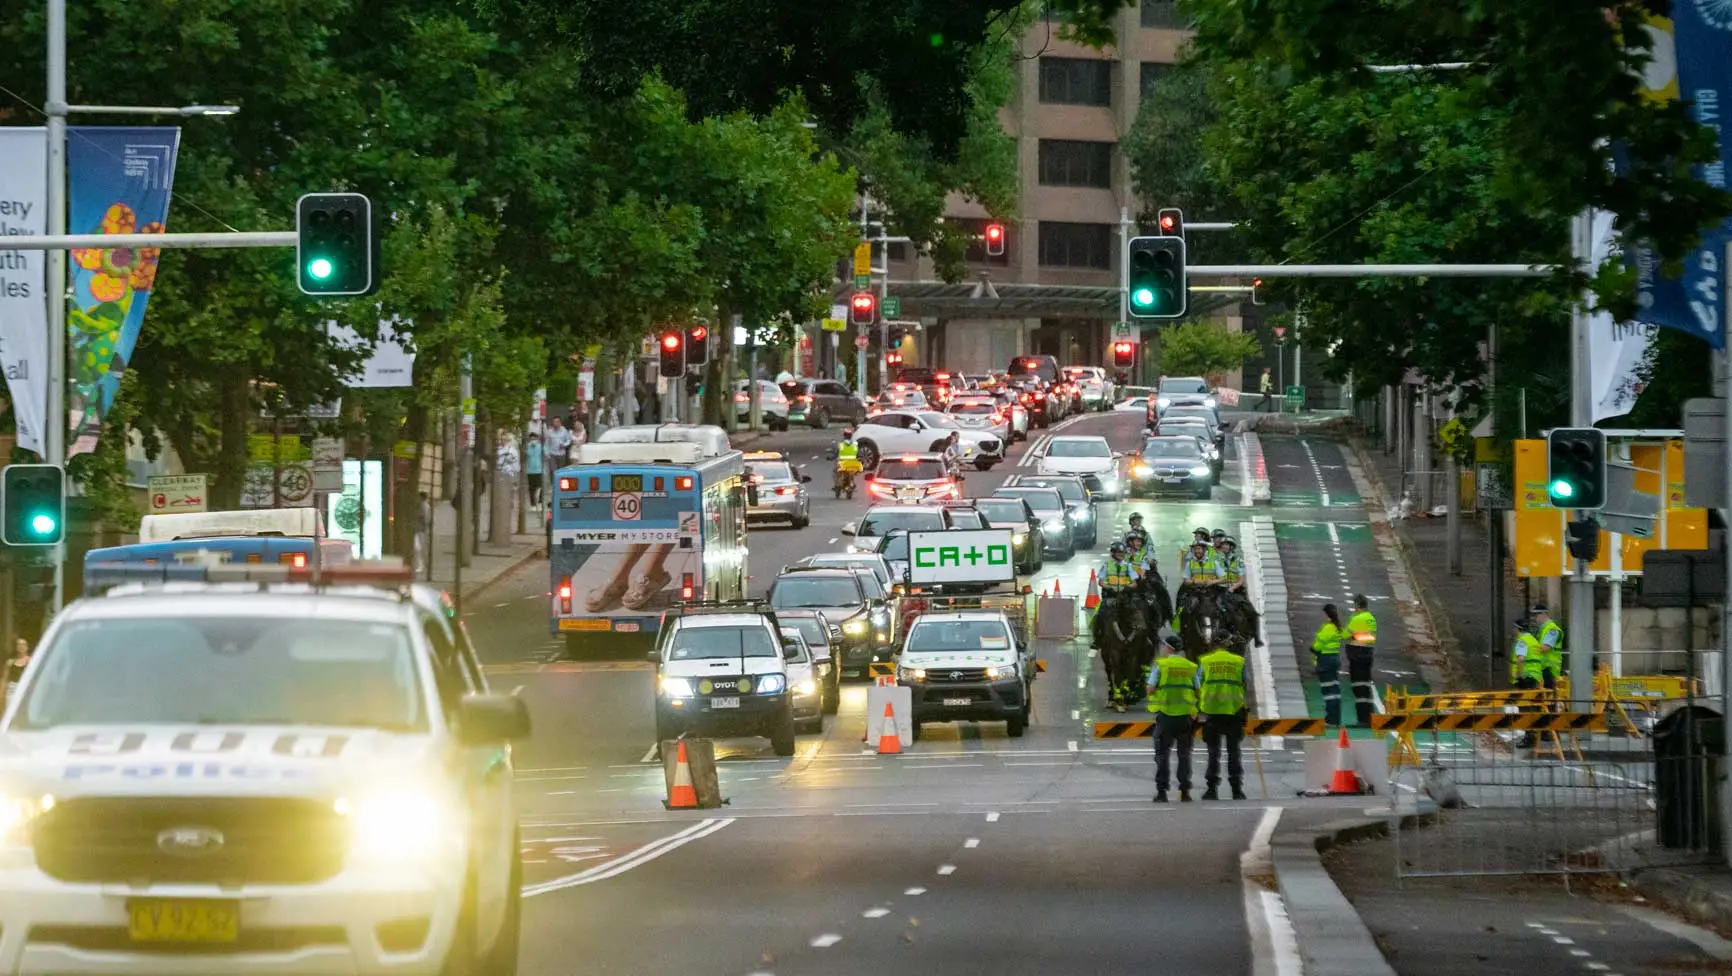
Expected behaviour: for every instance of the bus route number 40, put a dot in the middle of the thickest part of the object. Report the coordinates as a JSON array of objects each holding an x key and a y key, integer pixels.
[{"x": 627, "y": 506}]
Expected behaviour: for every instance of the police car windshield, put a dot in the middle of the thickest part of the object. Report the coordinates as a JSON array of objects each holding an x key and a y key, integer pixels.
[
  {"x": 697, "y": 643},
  {"x": 880, "y": 521},
  {"x": 1003, "y": 512},
  {"x": 958, "y": 635},
  {"x": 1173, "y": 447},
  {"x": 894, "y": 469},
  {"x": 770, "y": 471},
  {"x": 226, "y": 670},
  {"x": 796, "y": 592}
]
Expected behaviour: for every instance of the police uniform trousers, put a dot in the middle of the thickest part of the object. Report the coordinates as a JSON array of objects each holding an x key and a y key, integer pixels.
[
  {"x": 1231, "y": 730},
  {"x": 1172, "y": 732},
  {"x": 1359, "y": 672}
]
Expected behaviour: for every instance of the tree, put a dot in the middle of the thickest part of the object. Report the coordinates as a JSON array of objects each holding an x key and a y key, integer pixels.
[
  {"x": 1205, "y": 349},
  {"x": 1169, "y": 166}
]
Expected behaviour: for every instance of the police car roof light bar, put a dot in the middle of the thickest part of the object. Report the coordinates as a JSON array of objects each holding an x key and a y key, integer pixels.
[{"x": 377, "y": 572}]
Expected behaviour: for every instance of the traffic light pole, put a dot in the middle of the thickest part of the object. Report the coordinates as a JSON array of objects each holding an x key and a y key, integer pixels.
[
  {"x": 1582, "y": 622},
  {"x": 53, "y": 433}
]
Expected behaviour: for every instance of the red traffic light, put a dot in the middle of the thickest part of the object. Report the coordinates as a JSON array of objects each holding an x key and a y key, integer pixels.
[
  {"x": 671, "y": 341},
  {"x": 1124, "y": 353},
  {"x": 994, "y": 239},
  {"x": 1168, "y": 223},
  {"x": 700, "y": 333},
  {"x": 863, "y": 308}
]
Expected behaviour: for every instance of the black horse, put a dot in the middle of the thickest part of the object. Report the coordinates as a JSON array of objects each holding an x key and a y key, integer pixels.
[{"x": 1127, "y": 647}]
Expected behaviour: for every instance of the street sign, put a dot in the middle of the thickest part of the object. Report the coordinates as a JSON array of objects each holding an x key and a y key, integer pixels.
[
  {"x": 327, "y": 464},
  {"x": 861, "y": 342},
  {"x": 891, "y": 307},
  {"x": 1490, "y": 488},
  {"x": 862, "y": 282},
  {"x": 862, "y": 258},
  {"x": 835, "y": 325},
  {"x": 1295, "y": 398},
  {"x": 978, "y": 556},
  {"x": 177, "y": 493},
  {"x": 1123, "y": 329}
]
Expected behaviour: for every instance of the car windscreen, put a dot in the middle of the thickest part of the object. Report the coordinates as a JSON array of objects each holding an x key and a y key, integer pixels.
[
  {"x": 973, "y": 408},
  {"x": 1172, "y": 447},
  {"x": 916, "y": 374},
  {"x": 209, "y": 669},
  {"x": 1204, "y": 414},
  {"x": 769, "y": 471},
  {"x": 1003, "y": 513},
  {"x": 966, "y": 518},
  {"x": 1068, "y": 488},
  {"x": 895, "y": 547},
  {"x": 958, "y": 635},
  {"x": 809, "y": 627},
  {"x": 938, "y": 420},
  {"x": 699, "y": 643},
  {"x": 882, "y": 520},
  {"x": 1079, "y": 448},
  {"x": 1184, "y": 386},
  {"x": 1039, "y": 499},
  {"x": 908, "y": 398},
  {"x": 795, "y": 592},
  {"x": 896, "y": 469},
  {"x": 869, "y": 583}
]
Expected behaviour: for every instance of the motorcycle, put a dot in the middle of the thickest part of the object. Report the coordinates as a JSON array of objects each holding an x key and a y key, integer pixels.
[{"x": 846, "y": 469}]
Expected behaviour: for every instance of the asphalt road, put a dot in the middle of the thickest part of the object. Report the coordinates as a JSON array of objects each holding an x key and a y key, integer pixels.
[{"x": 972, "y": 852}]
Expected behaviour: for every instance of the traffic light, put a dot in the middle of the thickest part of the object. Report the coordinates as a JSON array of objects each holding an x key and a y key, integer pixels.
[
  {"x": 33, "y": 505},
  {"x": 1256, "y": 283},
  {"x": 863, "y": 308},
  {"x": 1124, "y": 353},
  {"x": 893, "y": 358},
  {"x": 1576, "y": 467},
  {"x": 673, "y": 349},
  {"x": 1157, "y": 277},
  {"x": 697, "y": 345},
  {"x": 893, "y": 336},
  {"x": 1171, "y": 220},
  {"x": 336, "y": 254},
  {"x": 1583, "y": 539},
  {"x": 994, "y": 240}
]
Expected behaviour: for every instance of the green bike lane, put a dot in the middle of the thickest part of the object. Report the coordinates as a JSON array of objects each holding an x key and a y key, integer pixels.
[{"x": 1330, "y": 550}]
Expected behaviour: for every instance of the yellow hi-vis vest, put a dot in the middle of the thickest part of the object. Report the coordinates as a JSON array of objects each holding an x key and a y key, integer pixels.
[
  {"x": 1362, "y": 628},
  {"x": 1175, "y": 687},
  {"x": 1117, "y": 574},
  {"x": 1223, "y": 683},
  {"x": 847, "y": 451},
  {"x": 1532, "y": 663}
]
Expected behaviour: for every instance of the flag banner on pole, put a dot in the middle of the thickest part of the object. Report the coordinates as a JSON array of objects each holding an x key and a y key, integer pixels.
[
  {"x": 120, "y": 180},
  {"x": 24, "y": 279},
  {"x": 1692, "y": 59},
  {"x": 1616, "y": 349}
]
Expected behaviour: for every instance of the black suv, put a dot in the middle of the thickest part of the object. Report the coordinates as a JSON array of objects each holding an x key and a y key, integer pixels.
[
  {"x": 818, "y": 403},
  {"x": 841, "y": 597}
]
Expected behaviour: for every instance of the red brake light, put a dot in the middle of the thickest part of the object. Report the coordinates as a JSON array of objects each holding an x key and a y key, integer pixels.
[
  {"x": 742, "y": 398},
  {"x": 685, "y": 586},
  {"x": 683, "y": 483},
  {"x": 300, "y": 560},
  {"x": 943, "y": 377},
  {"x": 907, "y": 459},
  {"x": 565, "y": 595},
  {"x": 787, "y": 490}
]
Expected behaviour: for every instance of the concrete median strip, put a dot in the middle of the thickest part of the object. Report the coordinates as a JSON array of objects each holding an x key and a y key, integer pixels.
[
  {"x": 625, "y": 862},
  {"x": 1331, "y": 936}
]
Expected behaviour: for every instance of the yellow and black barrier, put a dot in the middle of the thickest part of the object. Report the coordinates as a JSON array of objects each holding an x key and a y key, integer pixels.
[
  {"x": 1460, "y": 701},
  {"x": 1508, "y": 722},
  {"x": 1253, "y": 726}
]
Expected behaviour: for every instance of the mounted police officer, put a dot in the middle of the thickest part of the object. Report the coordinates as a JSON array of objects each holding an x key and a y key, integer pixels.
[{"x": 1118, "y": 575}]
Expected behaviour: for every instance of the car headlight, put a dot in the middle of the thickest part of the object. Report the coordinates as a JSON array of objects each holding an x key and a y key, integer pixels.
[
  {"x": 772, "y": 684},
  {"x": 400, "y": 824},
  {"x": 806, "y": 689},
  {"x": 1018, "y": 538},
  {"x": 1200, "y": 471},
  {"x": 1001, "y": 671},
  {"x": 16, "y": 815},
  {"x": 911, "y": 674},
  {"x": 1055, "y": 525},
  {"x": 1163, "y": 402},
  {"x": 880, "y": 615},
  {"x": 854, "y": 628},
  {"x": 1080, "y": 514},
  {"x": 1142, "y": 470},
  {"x": 675, "y": 687}
]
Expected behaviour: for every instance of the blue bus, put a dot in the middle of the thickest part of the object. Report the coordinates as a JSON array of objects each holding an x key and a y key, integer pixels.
[
  {"x": 651, "y": 516},
  {"x": 280, "y": 536}
]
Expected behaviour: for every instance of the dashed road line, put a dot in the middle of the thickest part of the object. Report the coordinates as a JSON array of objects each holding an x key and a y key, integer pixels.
[
  {"x": 947, "y": 869},
  {"x": 826, "y": 940},
  {"x": 971, "y": 842},
  {"x": 915, "y": 892},
  {"x": 875, "y": 913},
  {"x": 992, "y": 817}
]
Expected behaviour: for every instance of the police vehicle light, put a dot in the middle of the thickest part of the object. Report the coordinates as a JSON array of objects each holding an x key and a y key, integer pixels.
[
  {"x": 675, "y": 687},
  {"x": 401, "y": 825}
]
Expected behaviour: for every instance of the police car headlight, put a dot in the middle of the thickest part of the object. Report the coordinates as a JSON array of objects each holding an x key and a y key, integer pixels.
[
  {"x": 1200, "y": 471},
  {"x": 400, "y": 824},
  {"x": 1054, "y": 525},
  {"x": 1001, "y": 671},
  {"x": 676, "y": 687},
  {"x": 1018, "y": 538},
  {"x": 854, "y": 628},
  {"x": 17, "y": 813},
  {"x": 806, "y": 689},
  {"x": 911, "y": 674},
  {"x": 1080, "y": 514},
  {"x": 772, "y": 684}
]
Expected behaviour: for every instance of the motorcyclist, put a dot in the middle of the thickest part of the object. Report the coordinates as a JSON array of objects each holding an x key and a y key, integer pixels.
[
  {"x": 847, "y": 455},
  {"x": 1117, "y": 576}
]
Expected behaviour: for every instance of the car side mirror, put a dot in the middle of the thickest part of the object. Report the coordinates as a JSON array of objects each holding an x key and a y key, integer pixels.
[
  {"x": 849, "y": 528},
  {"x": 790, "y": 654},
  {"x": 492, "y": 718},
  {"x": 1118, "y": 455}
]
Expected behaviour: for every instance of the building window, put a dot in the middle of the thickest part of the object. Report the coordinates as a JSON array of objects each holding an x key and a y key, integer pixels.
[
  {"x": 1066, "y": 162},
  {"x": 1162, "y": 13},
  {"x": 976, "y": 231},
  {"x": 1065, "y": 245},
  {"x": 1153, "y": 72},
  {"x": 1076, "y": 81}
]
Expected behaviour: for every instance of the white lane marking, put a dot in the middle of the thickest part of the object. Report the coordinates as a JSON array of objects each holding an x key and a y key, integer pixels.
[
  {"x": 650, "y": 756},
  {"x": 1562, "y": 940},
  {"x": 875, "y": 913},
  {"x": 625, "y": 862},
  {"x": 943, "y": 765},
  {"x": 992, "y": 817},
  {"x": 1075, "y": 714},
  {"x": 560, "y": 792},
  {"x": 1580, "y": 953},
  {"x": 826, "y": 940},
  {"x": 1334, "y": 538},
  {"x": 1050, "y": 762},
  {"x": 971, "y": 842},
  {"x": 912, "y": 892},
  {"x": 1598, "y": 967},
  {"x": 1546, "y": 931},
  {"x": 831, "y": 542},
  {"x": 1274, "y": 944},
  {"x": 947, "y": 869},
  {"x": 497, "y": 606}
]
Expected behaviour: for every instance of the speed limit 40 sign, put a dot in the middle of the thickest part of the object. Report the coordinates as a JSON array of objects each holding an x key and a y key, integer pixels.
[{"x": 627, "y": 506}]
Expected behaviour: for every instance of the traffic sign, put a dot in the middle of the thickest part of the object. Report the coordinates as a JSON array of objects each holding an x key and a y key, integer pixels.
[
  {"x": 862, "y": 258},
  {"x": 1123, "y": 328},
  {"x": 177, "y": 493},
  {"x": 862, "y": 282},
  {"x": 627, "y": 506},
  {"x": 835, "y": 325},
  {"x": 892, "y": 307}
]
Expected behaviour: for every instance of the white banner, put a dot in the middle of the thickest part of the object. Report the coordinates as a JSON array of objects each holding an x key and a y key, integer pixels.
[
  {"x": 390, "y": 364},
  {"x": 23, "y": 277},
  {"x": 1616, "y": 348},
  {"x": 961, "y": 556}
]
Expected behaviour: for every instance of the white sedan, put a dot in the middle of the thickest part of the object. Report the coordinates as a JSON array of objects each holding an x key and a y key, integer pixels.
[
  {"x": 1089, "y": 457},
  {"x": 922, "y": 432}
]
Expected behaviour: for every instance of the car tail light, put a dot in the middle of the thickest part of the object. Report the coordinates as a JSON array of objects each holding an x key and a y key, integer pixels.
[
  {"x": 685, "y": 586},
  {"x": 565, "y": 595},
  {"x": 805, "y": 398},
  {"x": 742, "y": 398},
  {"x": 941, "y": 490},
  {"x": 879, "y": 488},
  {"x": 787, "y": 490},
  {"x": 298, "y": 560}
]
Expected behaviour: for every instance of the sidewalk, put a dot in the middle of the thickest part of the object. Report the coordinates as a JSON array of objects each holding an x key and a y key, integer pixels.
[{"x": 487, "y": 567}]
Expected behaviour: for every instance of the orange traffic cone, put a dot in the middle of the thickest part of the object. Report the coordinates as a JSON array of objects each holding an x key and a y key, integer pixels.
[
  {"x": 889, "y": 743},
  {"x": 1093, "y": 600},
  {"x": 1345, "y": 782},
  {"x": 1055, "y": 592},
  {"x": 683, "y": 795}
]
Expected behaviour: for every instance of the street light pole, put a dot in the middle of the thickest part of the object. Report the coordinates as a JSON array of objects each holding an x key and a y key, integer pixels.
[{"x": 53, "y": 433}]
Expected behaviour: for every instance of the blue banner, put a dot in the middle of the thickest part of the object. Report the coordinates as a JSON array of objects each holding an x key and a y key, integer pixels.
[
  {"x": 1699, "y": 41},
  {"x": 120, "y": 180}
]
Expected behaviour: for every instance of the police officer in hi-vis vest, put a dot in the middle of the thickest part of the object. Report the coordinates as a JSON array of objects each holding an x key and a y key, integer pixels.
[
  {"x": 1222, "y": 703},
  {"x": 1172, "y": 692}
]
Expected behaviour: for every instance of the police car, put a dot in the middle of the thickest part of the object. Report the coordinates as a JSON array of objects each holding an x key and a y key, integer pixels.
[
  {"x": 722, "y": 671},
  {"x": 217, "y": 768}
]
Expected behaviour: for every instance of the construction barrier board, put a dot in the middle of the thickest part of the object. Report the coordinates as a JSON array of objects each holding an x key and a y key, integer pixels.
[
  {"x": 1401, "y": 703},
  {"x": 901, "y": 701},
  {"x": 1055, "y": 617},
  {"x": 1509, "y": 721},
  {"x": 1253, "y": 726}
]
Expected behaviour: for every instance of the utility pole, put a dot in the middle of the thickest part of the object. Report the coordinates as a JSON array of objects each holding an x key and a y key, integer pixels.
[
  {"x": 1581, "y": 632},
  {"x": 860, "y": 350},
  {"x": 465, "y": 475},
  {"x": 53, "y": 431},
  {"x": 1139, "y": 370}
]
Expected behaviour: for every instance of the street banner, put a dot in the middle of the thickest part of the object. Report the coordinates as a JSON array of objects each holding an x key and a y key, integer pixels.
[
  {"x": 1617, "y": 349},
  {"x": 1698, "y": 42},
  {"x": 121, "y": 178},
  {"x": 386, "y": 362},
  {"x": 23, "y": 277}
]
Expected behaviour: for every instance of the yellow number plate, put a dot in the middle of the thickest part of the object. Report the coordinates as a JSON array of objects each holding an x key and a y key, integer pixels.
[
  {"x": 154, "y": 920},
  {"x": 586, "y": 623}
]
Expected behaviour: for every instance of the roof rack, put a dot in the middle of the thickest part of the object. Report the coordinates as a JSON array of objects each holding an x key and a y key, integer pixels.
[
  {"x": 99, "y": 577},
  {"x": 719, "y": 606}
]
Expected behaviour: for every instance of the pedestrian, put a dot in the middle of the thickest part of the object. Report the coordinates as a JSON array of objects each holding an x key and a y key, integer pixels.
[
  {"x": 15, "y": 667},
  {"x": 532, "y": 469},
  {"x": 1551, "y": 638},
  {"x": 1267, "y": 385},
  {"x": 1222, "y": 704},
  {"x": 1362, "y": 631},
  {"x": 1326, "y": 658},
  {"x": 558, "y": 445},
  {"x": 1172, "y": 696}
]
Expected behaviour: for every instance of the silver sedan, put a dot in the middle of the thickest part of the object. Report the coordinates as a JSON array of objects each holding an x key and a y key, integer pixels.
[{"x": 778, "y": 492}]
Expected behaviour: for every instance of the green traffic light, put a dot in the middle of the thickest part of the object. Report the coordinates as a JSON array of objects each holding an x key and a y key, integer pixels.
[
  {"x": 42, "y": 523},
  {"x": 1143, "y": 297},
  {"x": 320, "y": 268},
  {"x": 1563, "y": 489}
]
